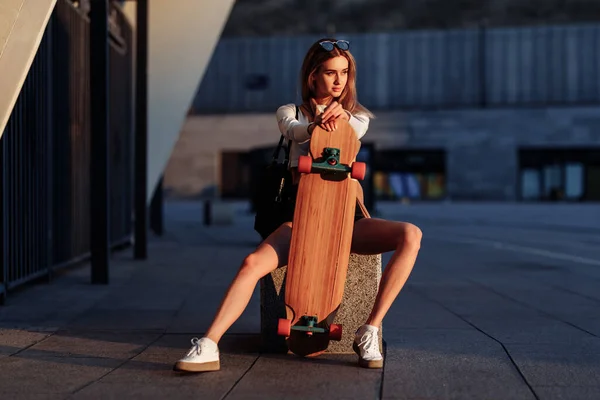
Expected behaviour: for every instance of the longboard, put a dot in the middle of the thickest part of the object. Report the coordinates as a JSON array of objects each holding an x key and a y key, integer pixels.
[{"x": 321, "y": 238}]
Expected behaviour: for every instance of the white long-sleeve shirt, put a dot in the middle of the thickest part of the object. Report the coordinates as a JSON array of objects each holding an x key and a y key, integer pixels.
[{"x": 296, "y": 130}]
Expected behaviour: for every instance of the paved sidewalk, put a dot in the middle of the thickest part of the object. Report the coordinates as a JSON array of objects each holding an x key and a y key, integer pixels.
[
  {"x": 582, "y": 217},
  {"x": 490, "y": 312}
]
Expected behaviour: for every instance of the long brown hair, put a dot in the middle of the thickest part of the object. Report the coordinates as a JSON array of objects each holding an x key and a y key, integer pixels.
[{"x": 315, "y": 57}]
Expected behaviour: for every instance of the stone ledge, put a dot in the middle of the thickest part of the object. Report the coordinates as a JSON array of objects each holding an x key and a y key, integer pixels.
[{"x": 362, "y": 282}]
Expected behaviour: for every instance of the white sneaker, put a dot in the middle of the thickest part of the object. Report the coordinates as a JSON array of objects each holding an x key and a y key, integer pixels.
[
  {"x": 366, "y": 345},
  {"x": 202, "y": 357}
]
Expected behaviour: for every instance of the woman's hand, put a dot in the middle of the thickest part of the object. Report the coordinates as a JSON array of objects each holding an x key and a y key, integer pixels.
[
  {"x": 327, "y": 120},
  {"x": 334, "y": 111},
  {"x": 327, "y": 125}
]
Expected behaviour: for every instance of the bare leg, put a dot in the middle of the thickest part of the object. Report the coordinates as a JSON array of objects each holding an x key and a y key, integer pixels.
[
  {"x": 270, "y": 254},
  {"x": 376, "y": 236}
]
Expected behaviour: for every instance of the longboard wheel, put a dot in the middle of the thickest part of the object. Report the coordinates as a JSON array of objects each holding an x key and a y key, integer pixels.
[
  {"x": 305, "y": 164},
  {"x": 284, "y": 327},
  {"x": 359, "y": 170},
  {"x": 335, "y": 332}
]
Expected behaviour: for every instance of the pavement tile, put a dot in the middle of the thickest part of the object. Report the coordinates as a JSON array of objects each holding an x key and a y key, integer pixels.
[
  {"x": 196, "y": 314},
  {"x": 411, "y": 310},
  {"x": 14, "y": 340},
  {"x": 145, "y": 298},
  {"x": 30, "y": 395},
  {"x": 590, "y": 324},
  {"x": 194, "y": 388},
  {"x": 576, "y": 284},
  {"x": 107, "y": 344},
  {"x": 454, "y": 364},
  {"x": 568, "y": 307},
  {"x": 291, "y": 377},
  {"x": 524, "y": 329},
  {"x": 45, "y": 373},
  {"x": 502, "y": 317},
  {"x": 469, "y": 300},
  {"x": 151, "y": 375},
  {"x": 568, "y": 364},
  {"x": 543, "y": 297},
  {"x": 567, "y": 393},
  {"x": 125, "y": 320}
]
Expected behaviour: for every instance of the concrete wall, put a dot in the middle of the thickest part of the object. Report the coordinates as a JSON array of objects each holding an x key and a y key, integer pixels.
[
  {"x": 481, "y": 145},
  {"x": 431, "y": 68},
  {"x": 22, "y": 25},
  {"x": 181, "y": 38}
]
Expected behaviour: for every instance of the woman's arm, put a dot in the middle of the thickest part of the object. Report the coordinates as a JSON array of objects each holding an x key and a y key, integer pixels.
[
  {"x": 289, "y": 126},
  {"x": 359, "y": 122}
]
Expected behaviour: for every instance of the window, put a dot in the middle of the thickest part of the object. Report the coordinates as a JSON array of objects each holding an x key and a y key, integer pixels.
[
  {"x": 410, "y": 174},
  {"x": 530, "y": 184},
  {"x": 559, "y": 174},
  {"x": 574, "y": 180}
]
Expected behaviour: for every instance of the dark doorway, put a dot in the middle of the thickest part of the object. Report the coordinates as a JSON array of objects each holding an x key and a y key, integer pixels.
[
  {"x": 415, "y": 174},
  {"x": 235, "y": 176},
  {"x": 566, "y": 174}
]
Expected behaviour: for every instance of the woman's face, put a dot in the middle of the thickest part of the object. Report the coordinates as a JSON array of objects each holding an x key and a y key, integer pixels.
[{"x": 331, "y": 78}]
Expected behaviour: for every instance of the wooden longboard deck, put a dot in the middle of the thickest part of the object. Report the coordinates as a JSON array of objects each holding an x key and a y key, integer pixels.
[{"x": 321, "y": 239}]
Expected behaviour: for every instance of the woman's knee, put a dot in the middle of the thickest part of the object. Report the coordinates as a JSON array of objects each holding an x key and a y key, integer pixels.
[
  {"x": 255, "y": 266},
  {"x": 411, "y": 236},
  {"x": 269, "y": 255},
  {"x": 250, "y": 264}
]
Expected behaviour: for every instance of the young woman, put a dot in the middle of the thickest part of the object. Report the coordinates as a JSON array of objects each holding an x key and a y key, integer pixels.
[{"x": 328, "y": 79}]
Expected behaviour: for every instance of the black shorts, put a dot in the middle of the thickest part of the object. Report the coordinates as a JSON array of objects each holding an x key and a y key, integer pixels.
[{"x": 291, "y": 205}]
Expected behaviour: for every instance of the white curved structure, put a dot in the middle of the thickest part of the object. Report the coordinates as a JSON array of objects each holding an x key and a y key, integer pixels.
[
  {"x": 181, "y": 38},
  {"x": 22, "y": 25}
]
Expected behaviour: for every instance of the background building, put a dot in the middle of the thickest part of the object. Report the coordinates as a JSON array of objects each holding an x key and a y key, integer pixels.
[{"x": 463, "y": 114}]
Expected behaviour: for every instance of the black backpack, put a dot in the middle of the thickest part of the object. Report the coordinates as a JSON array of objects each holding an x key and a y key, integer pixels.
[{"x": 272, "y": 201}]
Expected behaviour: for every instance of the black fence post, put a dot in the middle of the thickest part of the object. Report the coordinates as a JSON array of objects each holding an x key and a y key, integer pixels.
[
  {"x": 2, "y": 248},
  {"x": 141, "y": 140},
  {"x": 99, "y": 163},
  {"x": 49, "y": 105},
  {"x": 156, "y": 209},
  {"x": 482, "y": 64}
]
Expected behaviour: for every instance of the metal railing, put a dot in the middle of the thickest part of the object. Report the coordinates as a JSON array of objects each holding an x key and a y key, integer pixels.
[
  {"x": 26, "y": 177},
  {"x": 71, "y": 134},
  {"x": 121, "y": 130},
  {"x": 45, "y": 152}
]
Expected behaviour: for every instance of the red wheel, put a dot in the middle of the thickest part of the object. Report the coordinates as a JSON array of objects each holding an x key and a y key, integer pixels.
[
  {"x": 335, "y": 332},
  {"x": 284, "y": 327},
  {"x": 359, "y": 170},
  {"x": 304, "y": 164}
]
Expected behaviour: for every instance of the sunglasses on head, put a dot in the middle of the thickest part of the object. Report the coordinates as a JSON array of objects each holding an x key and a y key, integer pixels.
[{"x": 340, "y": 44}]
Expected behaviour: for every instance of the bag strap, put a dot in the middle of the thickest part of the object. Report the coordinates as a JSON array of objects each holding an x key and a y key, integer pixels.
[
  {"x": 277, "y": 149},
  {"x": 287, "y": 149}
]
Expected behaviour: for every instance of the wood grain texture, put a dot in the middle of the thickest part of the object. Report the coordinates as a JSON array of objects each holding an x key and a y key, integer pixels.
[{"x": 321, "y": 239}]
